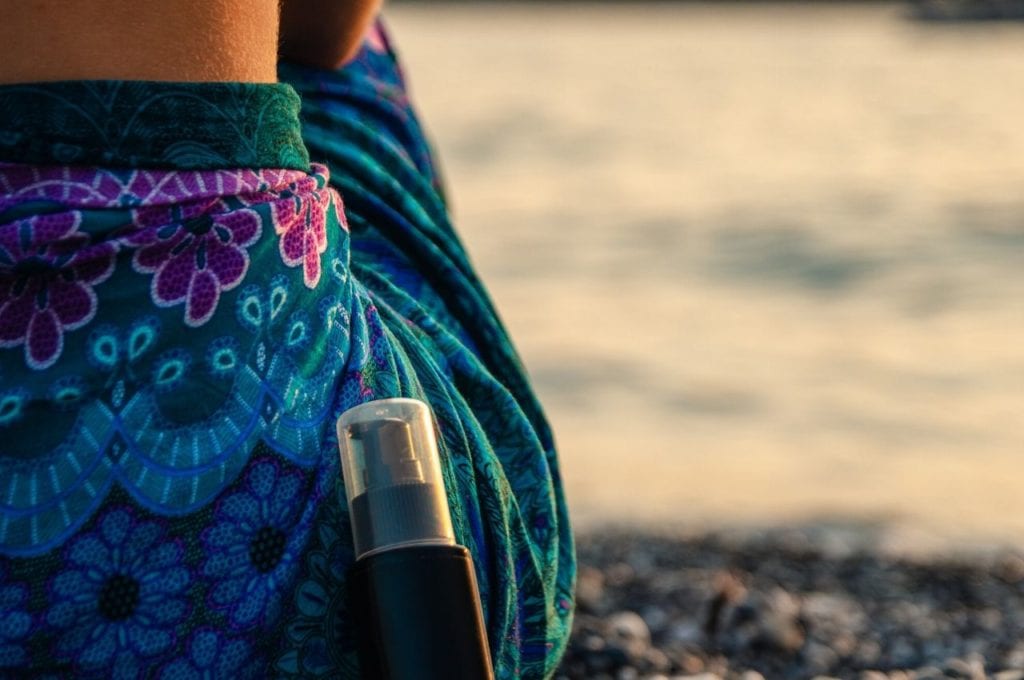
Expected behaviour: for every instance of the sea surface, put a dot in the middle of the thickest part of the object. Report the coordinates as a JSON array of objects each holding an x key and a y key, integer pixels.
[{"x": 765, "y": 263}]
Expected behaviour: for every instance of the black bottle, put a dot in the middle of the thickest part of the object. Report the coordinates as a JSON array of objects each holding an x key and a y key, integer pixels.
[{"x": 412, "y": 591}]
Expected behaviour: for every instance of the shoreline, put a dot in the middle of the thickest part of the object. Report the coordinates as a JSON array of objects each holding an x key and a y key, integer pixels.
[
  {"x": 785, "y": 604},
  {"x": 836, "y": 535}
]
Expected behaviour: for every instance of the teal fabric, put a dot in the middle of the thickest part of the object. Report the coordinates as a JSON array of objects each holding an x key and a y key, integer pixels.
[
  {"x": 140, "y": 125},
  {"x": 184, "y": 312},
  {"x": 406, "y": 253}
]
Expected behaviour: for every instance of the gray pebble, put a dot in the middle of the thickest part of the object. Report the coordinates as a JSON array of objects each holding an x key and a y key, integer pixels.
[
  {"x": 1014, "y": 674},
  {"x": 590, "y": 589},
  {"x": 873, "y": 675},
  {"x": 656, "y": 618},
  {"x": 818, "y": 658},
  {"x": 903, "y": 653},
  {"x": 967, "y": 670},
  {"x": 691, "y": 664},
  {"x": 627, "y": 631},
  {"x": 686, "y": 632},
  {"x": 628, "y": 673},
  {"x": 657, "y": 661},
  {"x": 1015, "y": 657},
  {"x": 768, "y": 606},
  {"x": 867, "y": 653}
]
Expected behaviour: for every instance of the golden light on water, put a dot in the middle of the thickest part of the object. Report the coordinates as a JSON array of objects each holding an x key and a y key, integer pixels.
[{"x": 765, "y": 263}]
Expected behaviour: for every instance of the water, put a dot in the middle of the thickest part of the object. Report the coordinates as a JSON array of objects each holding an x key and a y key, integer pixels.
[{"x": 764, "y": 263}]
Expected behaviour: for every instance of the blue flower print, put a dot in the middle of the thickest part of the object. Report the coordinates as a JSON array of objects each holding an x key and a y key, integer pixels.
[
  {"x": 12, "y": 405},
  {"x": 210, "y": 656},
  {"x": 14, "y": 621},
  {"x": 258, "y": 309},
  {"x": 120, "y": 597},
  {"x": 110, "y": 347},
  {"x": 170, "y": 370},
  {"x": 319, "y": 638},
  {"x": 118, "y": 352},
  {"x": 334, "y": 314},
  {"x": 253, "y": 547},
  {"x": 297, "y": 332},
  {"x": 222, "y": 357}
]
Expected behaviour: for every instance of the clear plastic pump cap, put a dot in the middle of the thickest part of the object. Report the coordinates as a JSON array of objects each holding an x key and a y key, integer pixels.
[{"x": 392, "y": 471}]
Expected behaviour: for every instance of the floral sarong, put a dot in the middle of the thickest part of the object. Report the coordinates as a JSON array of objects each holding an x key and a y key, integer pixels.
[{"x": 186, "y": 306}]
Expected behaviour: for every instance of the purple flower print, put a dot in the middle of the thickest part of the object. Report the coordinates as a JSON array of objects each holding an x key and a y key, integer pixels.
[
  {"x": 196, "y": 259},
  {"x": 48, "y": 270},
  {"x": 300, "y": 219},
  {"x": 86, "y": 187}
]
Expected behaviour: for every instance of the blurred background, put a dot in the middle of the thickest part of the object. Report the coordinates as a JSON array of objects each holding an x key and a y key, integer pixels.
[{"x": 764, "y": 262}]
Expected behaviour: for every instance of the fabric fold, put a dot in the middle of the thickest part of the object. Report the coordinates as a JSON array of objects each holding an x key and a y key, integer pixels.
[
  {"x": 141, "y": 124},
  {"x": 186, "y": 306}
]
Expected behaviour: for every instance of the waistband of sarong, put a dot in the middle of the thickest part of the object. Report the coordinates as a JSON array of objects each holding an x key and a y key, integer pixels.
[{"x": 147, "y": 124}]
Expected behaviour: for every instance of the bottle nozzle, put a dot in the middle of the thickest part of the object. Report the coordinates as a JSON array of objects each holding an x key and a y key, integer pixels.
[{"x": 392, "y": 476}]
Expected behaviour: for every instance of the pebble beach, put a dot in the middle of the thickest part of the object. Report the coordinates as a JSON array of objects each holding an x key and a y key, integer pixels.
[{"x": 766, "y": 605}]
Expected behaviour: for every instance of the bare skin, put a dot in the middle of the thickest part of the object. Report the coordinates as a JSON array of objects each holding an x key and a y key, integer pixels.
[
  {"x": 175, "y": 40},
  {"x": 324, "y": 33}
]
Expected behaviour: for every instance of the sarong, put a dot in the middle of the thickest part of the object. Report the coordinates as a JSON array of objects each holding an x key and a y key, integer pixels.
[{"x": 187, "y": 303}]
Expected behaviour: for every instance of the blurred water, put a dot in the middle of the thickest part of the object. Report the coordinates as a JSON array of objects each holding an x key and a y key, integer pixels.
[{"x": 765, "y": 263}]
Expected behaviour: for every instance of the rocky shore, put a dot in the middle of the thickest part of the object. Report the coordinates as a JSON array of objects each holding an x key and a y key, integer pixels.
[{"x": 779, "y": 605}]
